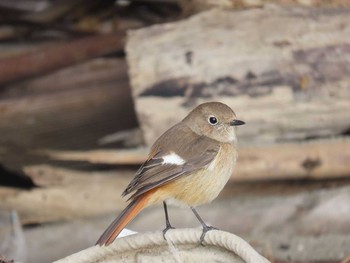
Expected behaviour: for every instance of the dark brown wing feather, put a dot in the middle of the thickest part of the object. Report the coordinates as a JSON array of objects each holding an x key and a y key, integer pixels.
[{"x": 197, "y": 151}]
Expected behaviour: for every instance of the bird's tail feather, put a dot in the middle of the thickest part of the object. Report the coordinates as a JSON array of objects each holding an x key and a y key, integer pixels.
[{"x": 123, "y": 219}]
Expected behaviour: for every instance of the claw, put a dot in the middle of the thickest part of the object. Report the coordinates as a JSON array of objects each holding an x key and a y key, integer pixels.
[
  {"x": 166, "y": 230},
  {"x": 205, "y": 230}
]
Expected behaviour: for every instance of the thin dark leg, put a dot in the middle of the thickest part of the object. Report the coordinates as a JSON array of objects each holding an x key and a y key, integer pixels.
[
  {"x": 205, "y": 227},
  {"x": 167, "y": 222}
]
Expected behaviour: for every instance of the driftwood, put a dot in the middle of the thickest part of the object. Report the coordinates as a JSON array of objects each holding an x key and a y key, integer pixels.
[
  {"x": 313, "y": 160},
  {"x": 284, "y": 71}
]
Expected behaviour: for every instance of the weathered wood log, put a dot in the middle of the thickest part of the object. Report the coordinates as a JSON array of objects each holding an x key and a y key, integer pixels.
[
  {"x": 65, "y": 194},
  {"x": 313, "y": 160},
  {"x": 69, "y": 109},
  {"x": 245, "y": 216},
  {"x": 57, "y": 56},
  {"x": 196, "y": 6},
  {"x": 286, "y": 72}
]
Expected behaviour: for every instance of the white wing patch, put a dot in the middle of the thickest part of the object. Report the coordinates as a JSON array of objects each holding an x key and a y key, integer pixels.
[{"x": 173, "y": 158}]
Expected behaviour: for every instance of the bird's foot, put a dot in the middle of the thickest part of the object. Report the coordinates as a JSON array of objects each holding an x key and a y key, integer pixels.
[
  {"x": 205, "y": 230},
  {"x": 168, "y": 226}
]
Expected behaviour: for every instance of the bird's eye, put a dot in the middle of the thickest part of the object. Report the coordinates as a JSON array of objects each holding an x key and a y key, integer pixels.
[{"x": 212, "y": 120}]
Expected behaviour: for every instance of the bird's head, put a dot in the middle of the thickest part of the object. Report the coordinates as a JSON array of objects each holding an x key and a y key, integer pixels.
[{"x": 215, "y": 120}]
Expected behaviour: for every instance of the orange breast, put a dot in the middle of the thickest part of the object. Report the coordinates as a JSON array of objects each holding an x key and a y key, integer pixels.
[{"x": 206, "y": 184}]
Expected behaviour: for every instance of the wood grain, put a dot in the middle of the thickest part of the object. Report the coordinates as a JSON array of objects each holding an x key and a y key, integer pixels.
[
  {"x": 284, "y": 71},
  {"x": 65, "y": 194},
  {"x": 312, "y": 160},
  {"x": 57, "y": 56},
  {"x": 70, "y": 109}
]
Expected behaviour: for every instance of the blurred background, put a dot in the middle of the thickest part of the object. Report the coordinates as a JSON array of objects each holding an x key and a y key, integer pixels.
[{"x": 87, "y": 86}]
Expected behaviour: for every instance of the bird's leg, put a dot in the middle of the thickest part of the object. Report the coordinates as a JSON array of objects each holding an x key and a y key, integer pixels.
[
  {"x": 205, "y": 227},
  {"x": 167, "y": 222}
]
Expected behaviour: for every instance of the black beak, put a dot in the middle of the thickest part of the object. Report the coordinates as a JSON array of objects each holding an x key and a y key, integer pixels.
[{"x": 237, "y": 123}]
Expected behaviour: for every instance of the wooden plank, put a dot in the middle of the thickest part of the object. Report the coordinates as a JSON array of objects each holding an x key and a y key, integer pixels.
[
  {"x": 312, "y": 160},
  {"x": 284, "y": 71}
]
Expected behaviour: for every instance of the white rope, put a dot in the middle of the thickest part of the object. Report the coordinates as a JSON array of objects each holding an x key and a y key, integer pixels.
[{"x": 184, "y": 241}]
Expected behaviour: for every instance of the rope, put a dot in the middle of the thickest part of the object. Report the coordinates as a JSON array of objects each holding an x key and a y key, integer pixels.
[{"x": 182, "y": 245}]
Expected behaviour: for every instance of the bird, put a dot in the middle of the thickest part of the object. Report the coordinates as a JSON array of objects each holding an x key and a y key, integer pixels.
[{"x": 188, "y": 165}]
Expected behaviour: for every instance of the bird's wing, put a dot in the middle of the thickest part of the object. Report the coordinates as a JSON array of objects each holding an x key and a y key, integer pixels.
[{"x": 165, "y": 166}]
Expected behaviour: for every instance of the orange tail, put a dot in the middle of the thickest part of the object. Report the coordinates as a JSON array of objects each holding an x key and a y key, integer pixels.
[{"x": 123, "y": 219}]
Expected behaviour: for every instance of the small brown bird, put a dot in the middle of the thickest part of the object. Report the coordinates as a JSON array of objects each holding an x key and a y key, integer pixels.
[{"x": 188, "y": 165}]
